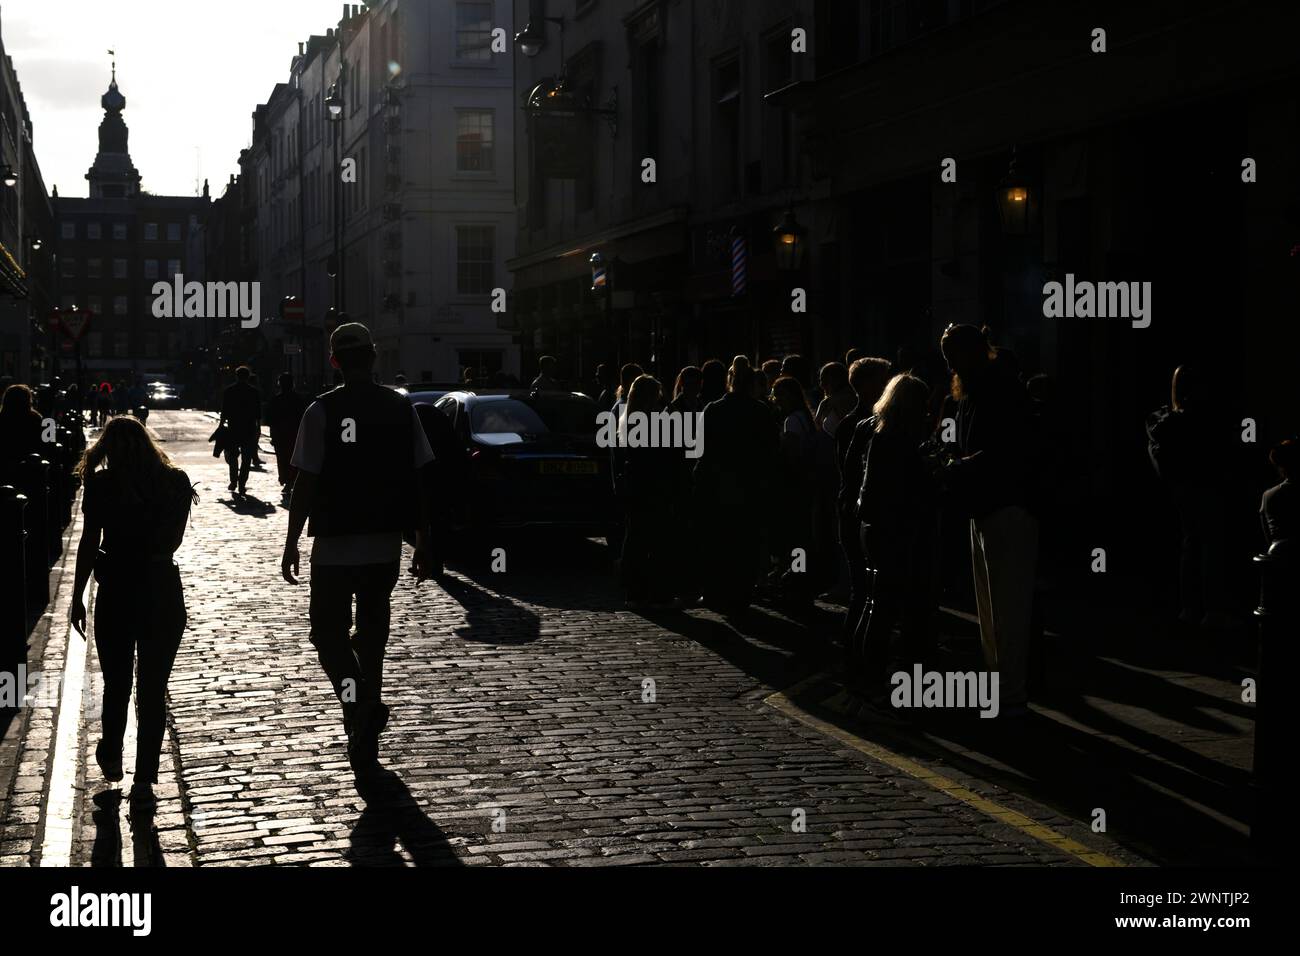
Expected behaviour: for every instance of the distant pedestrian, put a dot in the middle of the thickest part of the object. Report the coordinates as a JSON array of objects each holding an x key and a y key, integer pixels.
[
  {"x": 284, "y": 415},
  {"x": 1189, "y": 447},
  {"x": 359, "y": 453},
  {"x": 648, "y": 487},
  {"x": 771, "y": 372},
  {"x": 713, "y": 382},
  {"x": 796, "y": 502},
  {"x": 546, "y": 380},
  {"x": 20, "y": 430},
  {"x": 241, "y": 416},
  {"x": 605, "y": 386},
  {"x": 1279, "y": 508},
  {"x": 838, "y": 398},
  {"x": 626, "y": 376},
  {"x": 868, "y": 378},
  {"x": 732, "y": 487},
  {"x": 686, "y": 391},
  {"x": 993, "y": 481},
  {"x": 898, "y": 506},
  {"x": 103, "y": 404},
  {"x": 136, "y": 505}
]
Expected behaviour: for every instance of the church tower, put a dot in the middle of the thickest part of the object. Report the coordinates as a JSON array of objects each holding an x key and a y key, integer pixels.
[{"x": 113, "y": 176}]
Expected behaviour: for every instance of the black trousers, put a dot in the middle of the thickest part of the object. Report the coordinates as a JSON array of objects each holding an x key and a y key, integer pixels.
[
  {"x": 353, "y": 662},
  {"x": 905, "y": 585},
  {"x": 239, "y": 457},
  {"x": 139, "y": 616},
  {"x": 851, "y": 543}
]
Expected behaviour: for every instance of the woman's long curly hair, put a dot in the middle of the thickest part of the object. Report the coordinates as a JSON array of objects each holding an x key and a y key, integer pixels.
[{"x": 127, "y": 450}]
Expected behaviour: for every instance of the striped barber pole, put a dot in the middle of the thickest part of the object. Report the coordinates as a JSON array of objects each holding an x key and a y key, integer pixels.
[{"x": 739, "y": 263}]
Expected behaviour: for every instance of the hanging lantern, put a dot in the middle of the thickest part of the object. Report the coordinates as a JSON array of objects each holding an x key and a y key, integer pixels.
[
  {"x": 790, "y": 241},
  {"x": 1016, "y": 202}
]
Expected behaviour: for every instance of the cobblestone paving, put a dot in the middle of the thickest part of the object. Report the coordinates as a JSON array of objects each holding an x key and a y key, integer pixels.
[{"x": 523, "y": 731}]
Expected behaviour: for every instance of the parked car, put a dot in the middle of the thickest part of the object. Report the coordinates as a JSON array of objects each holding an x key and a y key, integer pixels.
[
  {"x": 428, "y": 393},
  {"x": 532, "y": 462}
]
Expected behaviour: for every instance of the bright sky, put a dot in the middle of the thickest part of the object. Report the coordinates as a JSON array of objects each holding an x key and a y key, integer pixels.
[{"x": 192, "y": 71}]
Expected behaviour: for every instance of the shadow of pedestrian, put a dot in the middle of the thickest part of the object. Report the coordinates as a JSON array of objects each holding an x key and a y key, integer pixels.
[
  {"x": 144, "y": 839},
  {"x": 490, "y": 618},
  {"x": 392, "y": 816},
  {"x": 106, "y": 850},
  {"x": 249, "y": 506}
]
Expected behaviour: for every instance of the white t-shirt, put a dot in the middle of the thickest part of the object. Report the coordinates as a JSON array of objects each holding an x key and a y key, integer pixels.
[{"x": 350, "y": 549}]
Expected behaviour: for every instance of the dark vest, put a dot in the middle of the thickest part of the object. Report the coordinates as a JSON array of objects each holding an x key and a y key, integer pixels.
[{"x": 366, "y": 486}]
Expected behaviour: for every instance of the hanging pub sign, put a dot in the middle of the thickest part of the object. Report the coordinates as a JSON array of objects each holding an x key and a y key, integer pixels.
[{"x": 561, "y": 130}]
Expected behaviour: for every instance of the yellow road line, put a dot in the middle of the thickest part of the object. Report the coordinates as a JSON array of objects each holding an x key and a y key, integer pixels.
[{"x": 782, "y": 702}]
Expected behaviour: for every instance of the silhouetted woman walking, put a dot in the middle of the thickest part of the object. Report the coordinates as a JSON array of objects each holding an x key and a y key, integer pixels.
[{"x": 136, "y": 504}]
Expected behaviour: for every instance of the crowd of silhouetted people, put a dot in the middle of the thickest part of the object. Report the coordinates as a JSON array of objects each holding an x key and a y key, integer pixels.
[
  {"x": 835, "y": 481},
  {"x": 830, "y": 480}
]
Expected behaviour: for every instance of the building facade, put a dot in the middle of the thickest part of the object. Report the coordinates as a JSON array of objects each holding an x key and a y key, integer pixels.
[
  {"x": 1146, "y": 143},
  {"x": 680, "y": 85},
  {"x": 111, "y": 249},
  {"x": 420, "y": 137},
  {"x": 28, "y": 341}
]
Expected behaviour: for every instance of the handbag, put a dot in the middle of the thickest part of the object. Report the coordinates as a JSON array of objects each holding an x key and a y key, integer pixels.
[{"x": 220, "y": 438}]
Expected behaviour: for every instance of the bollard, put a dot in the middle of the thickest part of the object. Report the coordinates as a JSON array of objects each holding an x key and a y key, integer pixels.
[
  {"x": 56, "y": 481},
  {"x": 31, "y": 482},
  {"x": 13, "y": 609}
]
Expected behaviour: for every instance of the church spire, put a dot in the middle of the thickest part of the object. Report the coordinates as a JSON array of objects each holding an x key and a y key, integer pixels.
[{"x": 113, "y": 175}]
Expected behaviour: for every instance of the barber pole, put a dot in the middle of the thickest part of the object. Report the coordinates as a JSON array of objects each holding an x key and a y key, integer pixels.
[{"x": 739, "y": 262}]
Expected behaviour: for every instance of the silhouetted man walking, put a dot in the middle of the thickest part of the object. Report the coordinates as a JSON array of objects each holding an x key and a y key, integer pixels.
[
  {"x": 241, "y": 414},
  {"x": 284, "y": 415},
  {"x": 358, "y": 452}
]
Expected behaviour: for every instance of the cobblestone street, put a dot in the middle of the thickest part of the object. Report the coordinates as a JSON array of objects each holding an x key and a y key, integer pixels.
[{"x": 525, "y": 730}]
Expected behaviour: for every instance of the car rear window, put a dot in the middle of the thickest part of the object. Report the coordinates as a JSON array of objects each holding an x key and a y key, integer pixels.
[
  {"x": 505, "y": 417},
  {"x": 534, "y": 417}
]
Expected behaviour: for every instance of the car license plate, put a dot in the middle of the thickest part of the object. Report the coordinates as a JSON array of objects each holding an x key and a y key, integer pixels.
[{"x": 568, "y": 467}]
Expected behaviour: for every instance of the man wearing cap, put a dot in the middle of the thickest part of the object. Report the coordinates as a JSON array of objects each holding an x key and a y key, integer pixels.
[{"x": 358, "y": 451}]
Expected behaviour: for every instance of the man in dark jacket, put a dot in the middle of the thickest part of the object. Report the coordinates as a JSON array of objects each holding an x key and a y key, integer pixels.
[
  {"x": 241, "y": 416},
  {"x": 732, "y": 481},
  {"x": 992, "y": 480},
  {"x": 359, "y": 452},
  {"x": 284, "y": 415}
]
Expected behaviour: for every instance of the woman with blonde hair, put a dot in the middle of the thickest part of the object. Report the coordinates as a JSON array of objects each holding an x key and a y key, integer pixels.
[
  {"x": 899, "y": 510},
  {"x": 136, "y": 504}
]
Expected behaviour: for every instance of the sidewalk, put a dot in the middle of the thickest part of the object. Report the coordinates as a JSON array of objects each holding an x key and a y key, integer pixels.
[{"x": 1150, "y": 729}]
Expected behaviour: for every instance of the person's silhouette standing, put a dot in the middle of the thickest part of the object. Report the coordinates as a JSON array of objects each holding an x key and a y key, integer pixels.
[
  {"x": 359, "y": 450},
  {"x": 241, "y": 414},
  {"x": 284, "y": 415},
  {"x": 136, "y": 504}
]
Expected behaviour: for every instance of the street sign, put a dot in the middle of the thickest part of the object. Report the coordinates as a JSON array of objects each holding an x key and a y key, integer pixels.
[
  {"x": 73, "y": 322},
  {"x": 292, "y": 309}
]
